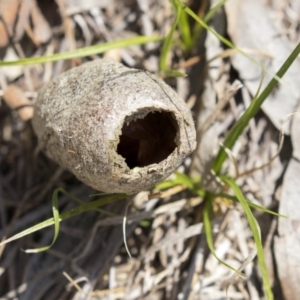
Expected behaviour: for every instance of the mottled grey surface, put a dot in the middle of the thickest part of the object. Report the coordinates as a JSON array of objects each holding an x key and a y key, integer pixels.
[{"x": 79, "y": 116}]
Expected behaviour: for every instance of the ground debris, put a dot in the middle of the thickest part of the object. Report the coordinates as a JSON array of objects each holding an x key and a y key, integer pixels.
[{"x": 165, "y": 232}]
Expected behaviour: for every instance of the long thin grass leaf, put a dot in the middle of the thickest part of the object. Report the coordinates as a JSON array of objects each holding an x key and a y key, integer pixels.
[
  {"x": 251, "y": 111},
  {"x": 184, "y": 28},
  {"x": 167, "y": 184},
  {"x": 251, "y": 204},
  {"x": 208, "y": 28},
  {"x": 223, "y": 39},
  {"x": 66, "y": 215},
  {"x": 82, "y": 52},
  {"x": 256, "y": 234},
  {"x": 180, "y": 179},
  {"x": 172, "y": 73},
  {"x": 79, "y": 201},
  {"x": 163, "y": 65},
  {"x": 124, "y": 230},
  {"x": 213, "y": 10},
  {"x": 56, "y": 223},
  {"x": 244, "y": 264},
  {"x": 198, "y": 27},
  {"x": 208, "y": 233},
  {"x": 185, "y": 179}
]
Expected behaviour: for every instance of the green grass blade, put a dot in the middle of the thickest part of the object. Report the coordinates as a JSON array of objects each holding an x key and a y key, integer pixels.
[
  {"x": 185, "y": 180},
  {"x": 172, "y": 73},
  {"x": 56, "y": 218},
  {"x": 213, "y": 10},
  {"x": 185, "y": 31},
  {"x": 163, "y": 64},
  {"x": 66, "y": 215},
  {"x": 208, "y": 233},
  {"x": 251, "y": 204},
  {"x": 256, "y": 234},
  {"x": 167, "y": 184},
  {"x": 223, "y": 39},
  {"x": 56, "y": 223},
  {"x": 79, "y": 201},
  {"x": 208, "y": 28},
  {"x": 251, "y": 111},
  {"x": 198, "y": 27},
  {"x": 82, "y": 52},
  {"x": 180, "y": 179}
]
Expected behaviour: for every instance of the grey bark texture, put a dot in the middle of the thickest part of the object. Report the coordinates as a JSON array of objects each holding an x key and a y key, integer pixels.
[{"x": 81, "y": 115}]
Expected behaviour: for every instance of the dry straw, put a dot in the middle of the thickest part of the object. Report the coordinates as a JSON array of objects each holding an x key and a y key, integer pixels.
[{"x": 119, "y": 130}]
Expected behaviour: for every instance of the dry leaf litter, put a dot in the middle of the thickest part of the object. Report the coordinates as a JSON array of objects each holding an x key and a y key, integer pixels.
[{"x": 165, "y": 236}]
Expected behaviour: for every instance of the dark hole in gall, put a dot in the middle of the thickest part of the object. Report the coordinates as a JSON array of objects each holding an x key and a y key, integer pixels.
[{"x": 149, "y": 140}]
